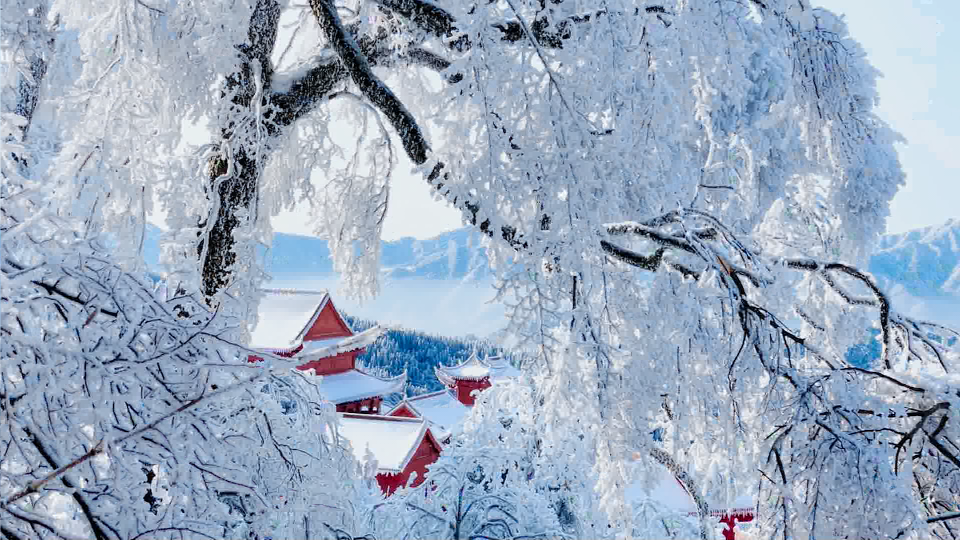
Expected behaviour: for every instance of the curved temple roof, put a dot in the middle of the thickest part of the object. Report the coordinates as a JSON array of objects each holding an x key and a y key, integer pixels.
[
  {"x": 284, "y": 316},
  {"x": 392, "y": 440},
  {"x": 354, "y": 385},
  {"x": 475, "y": 369},
  {"x": 441, "y": 409}
]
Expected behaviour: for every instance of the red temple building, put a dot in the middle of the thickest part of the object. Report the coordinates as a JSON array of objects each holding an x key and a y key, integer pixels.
[
  {"x": 401, "y": 446},
  {"x": 446, "y": 409},
  {"x": 308, "y": 328},
  {"x": 474, "y": 375}
]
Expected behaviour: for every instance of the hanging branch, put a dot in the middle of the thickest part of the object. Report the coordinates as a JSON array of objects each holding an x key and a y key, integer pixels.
[{"x": 100, "y": 447}]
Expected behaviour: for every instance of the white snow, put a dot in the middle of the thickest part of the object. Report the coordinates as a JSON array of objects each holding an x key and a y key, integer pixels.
[
  {"x": 282, "y": 316},
  {"x": 391, "y": 440},
  {"x": 441, "y": 410},
  {"x": 322, "y": 348},
  {"x": 668, "y": 492},
  {"x": 354, "y": 385},
  {"x": 317, "y": 345}
]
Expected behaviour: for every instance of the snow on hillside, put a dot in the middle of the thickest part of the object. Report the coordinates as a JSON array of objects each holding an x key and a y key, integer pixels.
[
  {"x": 920, "y": 270},
  {"x": 925, "y": 262}
]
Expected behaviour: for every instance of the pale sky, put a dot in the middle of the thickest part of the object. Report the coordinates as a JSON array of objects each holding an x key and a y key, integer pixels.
[{"x": 914, "y": 43}]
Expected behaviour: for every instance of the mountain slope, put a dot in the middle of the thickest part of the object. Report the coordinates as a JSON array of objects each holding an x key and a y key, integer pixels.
[
  {"x": 442, "y": 285},
  {"x": 456, "y": 254},
  {"x": 925, "y": 262},
  {"x": 920, "y": 270}
]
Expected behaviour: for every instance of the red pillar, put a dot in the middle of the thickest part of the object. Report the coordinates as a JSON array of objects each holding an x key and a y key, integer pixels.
[
  {"x": 730, "y": 520},
  {"x": 728, "y": 533}
]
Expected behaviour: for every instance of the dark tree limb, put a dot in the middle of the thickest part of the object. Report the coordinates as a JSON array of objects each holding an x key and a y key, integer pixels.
[
  {"x": 304, "y": 94},
  {"x": 360, "y": 71},
  {"x": 236, "y": 192},
  {"x": 411, "y": 136},
  {"x": 55, "y": 289},
  {"x": 98, "y": 531}
]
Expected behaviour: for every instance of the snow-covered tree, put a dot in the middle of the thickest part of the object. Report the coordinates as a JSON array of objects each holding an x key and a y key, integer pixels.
[
  {"x": 127, "y": 410},
  {"x": 677, "y": 195},
  {"x": 129, "y": 415},
  {"x": 481, "y": 486}
]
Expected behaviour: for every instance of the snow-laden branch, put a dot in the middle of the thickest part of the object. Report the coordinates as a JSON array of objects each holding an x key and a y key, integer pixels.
[
  {"x": 546, "y": 32},
  {"x": 104, "y": 443},
  {"x": 369, "y": 84}
]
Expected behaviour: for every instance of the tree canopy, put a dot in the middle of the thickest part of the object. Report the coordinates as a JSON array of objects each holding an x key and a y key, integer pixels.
[{"x": 676, "y": 196}]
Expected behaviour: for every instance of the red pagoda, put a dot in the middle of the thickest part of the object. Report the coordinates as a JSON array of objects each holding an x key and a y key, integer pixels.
[
  {"x": 474, "y": 375},
  {"x": 307, "y": 327}
]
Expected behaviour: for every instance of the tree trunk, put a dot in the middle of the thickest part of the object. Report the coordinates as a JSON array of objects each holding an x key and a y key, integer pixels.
[{"x": 234, "y": 194}]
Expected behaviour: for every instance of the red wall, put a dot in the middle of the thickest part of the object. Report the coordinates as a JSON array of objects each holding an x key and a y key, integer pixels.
[
  {"x": 464, "y": 388},
  {"x": 404, "y": 411},
  {"x": 426, "y": 453},
  {"x": 730, "y": 521},
  {"x": 333, "y": 364},
  {"x": 372, "y": 406}
]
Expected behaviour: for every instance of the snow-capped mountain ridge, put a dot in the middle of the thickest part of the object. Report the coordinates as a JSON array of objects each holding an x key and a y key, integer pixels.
[
  {"x": 924, "y": 262},
  {"x": 442, "y": 284},
  {"x": 456, "y": 254}
]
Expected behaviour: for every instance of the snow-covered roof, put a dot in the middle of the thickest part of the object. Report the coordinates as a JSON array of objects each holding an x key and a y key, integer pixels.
[
  {"x": 442, "y": 410},
  {"x": 671, "y": 495},
  {"x": 353, "y": 385},
  {"x": 475, "y": 369},
  {"x": 391, "y": 439},
  {"x": 322, "y": 348},
  {"x": 284, "y": 316}
]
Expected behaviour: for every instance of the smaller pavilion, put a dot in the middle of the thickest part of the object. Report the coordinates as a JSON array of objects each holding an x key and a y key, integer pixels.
[
  {"x": 445, "y": 410},
  {"x": 475, "y": 374}
]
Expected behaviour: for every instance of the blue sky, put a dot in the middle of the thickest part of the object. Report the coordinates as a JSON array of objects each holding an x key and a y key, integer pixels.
[{"x": 914, "y": 43}]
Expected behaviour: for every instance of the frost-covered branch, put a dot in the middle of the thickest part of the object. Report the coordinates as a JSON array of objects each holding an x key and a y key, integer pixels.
[
  {"x": 548, "y": 33},
  {"x": 369, "y": 84}
]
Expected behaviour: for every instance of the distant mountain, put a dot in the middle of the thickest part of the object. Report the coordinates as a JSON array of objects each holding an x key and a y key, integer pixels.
[
  {"x": 443, "y": 284},
  {"x": 453, "y": 255},
  {"x": 920, "y": 270},
  {"x": 924, "y": 262}
]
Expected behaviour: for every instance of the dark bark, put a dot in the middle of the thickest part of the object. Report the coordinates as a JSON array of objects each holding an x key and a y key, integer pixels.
[
  {"x": 370, "y": 85},
  {"x": 548, "y": 33},
  {"x": 29, "y": 92},
  {"x": 282, "y": 110},
  {"x": 236, "y": 191}
]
